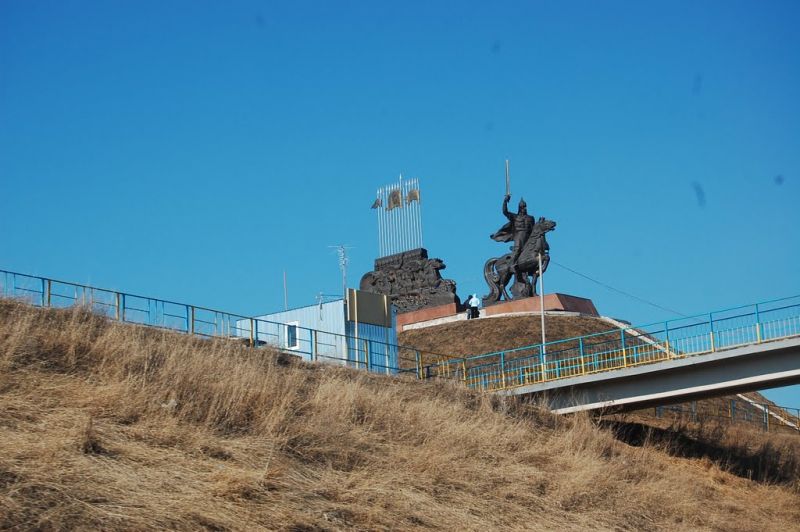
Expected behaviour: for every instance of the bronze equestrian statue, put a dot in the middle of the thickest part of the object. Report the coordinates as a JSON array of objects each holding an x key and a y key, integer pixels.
[{"x": 522, "y": 263}]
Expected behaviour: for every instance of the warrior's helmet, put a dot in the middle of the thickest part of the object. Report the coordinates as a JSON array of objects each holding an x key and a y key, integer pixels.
[{"x": 522, "y": 205}]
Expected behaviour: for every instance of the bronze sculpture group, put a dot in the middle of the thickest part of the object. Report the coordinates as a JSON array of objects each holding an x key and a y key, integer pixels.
[{"x": 413, "y": 281}]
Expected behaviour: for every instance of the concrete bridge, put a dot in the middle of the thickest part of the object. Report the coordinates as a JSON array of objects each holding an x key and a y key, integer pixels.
[
  {"x": 742, "y": 369},
  {"x": 736, "y": 350}
]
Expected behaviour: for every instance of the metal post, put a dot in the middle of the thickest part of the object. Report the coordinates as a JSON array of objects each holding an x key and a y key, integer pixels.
[
  {"x": 503, "y": 368},
  {"x": 758, "y": 325},
  {"x": 419, "y": 364},
  {"x": 711, "y": 325},
  {"x": 255, "y": 332},
  {"x": 123, "y": 307},
  {"x": 419, "y": 214},
  {"x": 583, "y": 361},
  {"x": 367, "y": 353},
  {"x": 666, "y": 339},
  {"x": 252, "y": 332},
  {"x": 541, "y": 304},
  {"x": 190, "y": 325},
  {"x": 464, "y": 370},
  {"x": 543, "y": 352},
  {"x": 285, "y": 293},
  {"x": 542, "y": 358},
  {"x": 117, "y": 312},
  {"x": 314, "y": 352},
  {"x": 624, "y": 354},
  {"x": 42, "y": 296},
  {"x": 380, "y": 226},
  {"x": 49, "y": 288}
]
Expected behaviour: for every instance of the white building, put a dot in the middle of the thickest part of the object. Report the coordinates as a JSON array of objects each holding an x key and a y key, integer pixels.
[{"x": 358, "y": 331}]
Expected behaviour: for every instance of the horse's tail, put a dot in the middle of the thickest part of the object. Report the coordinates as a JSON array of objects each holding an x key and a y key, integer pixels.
[{"x": 493, "y": 280}]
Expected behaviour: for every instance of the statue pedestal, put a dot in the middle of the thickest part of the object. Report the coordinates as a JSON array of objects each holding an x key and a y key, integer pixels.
[
  {"x": 438, "y": 315},
  {"x": 425, "y": 314},
  {"x": 551, "y": 302}
]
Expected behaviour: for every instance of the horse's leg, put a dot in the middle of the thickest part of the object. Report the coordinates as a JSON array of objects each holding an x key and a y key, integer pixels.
[
  {"x": 505, "y": 275},
  {"x": 505, "y": 292}
]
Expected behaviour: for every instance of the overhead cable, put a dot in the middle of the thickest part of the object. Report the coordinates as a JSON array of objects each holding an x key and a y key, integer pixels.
[{"x": 617, "y": 290}]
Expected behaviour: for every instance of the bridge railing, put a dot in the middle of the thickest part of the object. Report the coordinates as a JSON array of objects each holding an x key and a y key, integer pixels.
[
  {"x": 307, "y": 343},
  {"x": 635, "y": 345}
]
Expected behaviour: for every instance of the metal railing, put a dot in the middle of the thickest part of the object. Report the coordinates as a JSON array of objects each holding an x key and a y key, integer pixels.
[
  {"x": 767, "y": 417},
  {"x": 500, "y": 370},
  {"x": 634, "y": 346},
  {"x": 310, "y": 344}
]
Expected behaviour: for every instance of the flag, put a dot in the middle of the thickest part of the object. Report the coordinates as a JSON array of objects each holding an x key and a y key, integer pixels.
[
  {"x": 377, "y": 204},
  {"x": 395, "y": 199},
  {"x": 413, "y": 195}
]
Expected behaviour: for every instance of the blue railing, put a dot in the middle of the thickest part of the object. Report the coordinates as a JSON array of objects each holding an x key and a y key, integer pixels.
[
  {"x": 307, "y": 343},
  {"x": 593, "y": 353}
]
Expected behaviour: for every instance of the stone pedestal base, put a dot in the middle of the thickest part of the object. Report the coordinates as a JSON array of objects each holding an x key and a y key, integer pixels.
[
  {"x": 551, "y": 302},
  {"x": 446, "y": 313},
  {"x": 426, "y": 314}
]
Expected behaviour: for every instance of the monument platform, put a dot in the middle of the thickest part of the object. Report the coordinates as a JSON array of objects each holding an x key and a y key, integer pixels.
[
  {"x": 553, "y": 304},
  {"x": 562, "y": 302}
]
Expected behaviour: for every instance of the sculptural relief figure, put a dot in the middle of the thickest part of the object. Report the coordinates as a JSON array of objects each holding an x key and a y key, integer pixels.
[
  {"x": 411, "y": 280},
  {"x": 529, "y": 244}
]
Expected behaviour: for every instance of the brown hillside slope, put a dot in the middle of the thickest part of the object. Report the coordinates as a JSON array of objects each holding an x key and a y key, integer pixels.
[
  {"x": 475, "y": 337},
  {"x": 115, "y": 427}
]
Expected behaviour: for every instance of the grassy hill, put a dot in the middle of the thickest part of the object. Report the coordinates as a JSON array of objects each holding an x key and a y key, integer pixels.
[
  {"x": 485, "y": 335},
  {"x": 118, "y": 427}
]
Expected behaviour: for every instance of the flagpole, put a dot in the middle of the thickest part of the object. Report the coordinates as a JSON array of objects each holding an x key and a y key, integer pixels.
[
  {"x": 417, "y": 221},
  {"x": 380, "y": 225},
  {"x": 403, "y": 236}
]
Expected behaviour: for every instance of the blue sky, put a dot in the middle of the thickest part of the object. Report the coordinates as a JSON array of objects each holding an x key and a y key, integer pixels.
[{"x": 195, "y": 150}]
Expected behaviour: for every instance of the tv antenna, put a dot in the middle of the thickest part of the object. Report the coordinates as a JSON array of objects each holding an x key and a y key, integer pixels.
[{"x": 341, "y": 251}]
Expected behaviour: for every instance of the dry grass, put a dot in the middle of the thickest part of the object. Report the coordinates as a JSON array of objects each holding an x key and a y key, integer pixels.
[
  {"x": 485, "y": 335},
  {"x": 120, "y": 427}
]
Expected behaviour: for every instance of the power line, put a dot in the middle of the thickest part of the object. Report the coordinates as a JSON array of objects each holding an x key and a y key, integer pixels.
[{"x": 617, "y": 290}]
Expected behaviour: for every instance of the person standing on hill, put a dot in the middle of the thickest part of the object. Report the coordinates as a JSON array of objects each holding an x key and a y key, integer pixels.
[{"x": 473, "y": 307}]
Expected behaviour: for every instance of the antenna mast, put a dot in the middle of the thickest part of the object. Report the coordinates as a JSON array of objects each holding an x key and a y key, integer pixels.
[{"x": 341, "y": 251}]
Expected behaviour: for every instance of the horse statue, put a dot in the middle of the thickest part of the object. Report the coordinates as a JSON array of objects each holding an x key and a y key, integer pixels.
[{"x": 499, "y": 270}]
